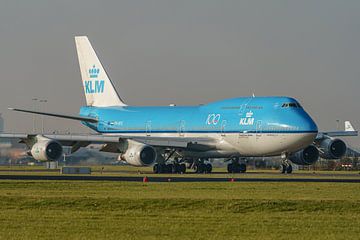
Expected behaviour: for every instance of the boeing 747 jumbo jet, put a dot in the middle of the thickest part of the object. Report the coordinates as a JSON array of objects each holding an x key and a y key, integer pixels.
[{"x": 167, "y": 137}]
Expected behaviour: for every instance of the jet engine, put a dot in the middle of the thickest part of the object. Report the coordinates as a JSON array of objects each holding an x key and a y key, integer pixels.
[
  {"x": 46, "y": 150},
  {"x": 138, "y": 154},
  {"x": 307, "y": 156},
  {"x": 332, "y": 148}
]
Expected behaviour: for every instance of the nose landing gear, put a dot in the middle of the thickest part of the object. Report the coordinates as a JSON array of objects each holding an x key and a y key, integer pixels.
[{"x": 285, "y": 166}]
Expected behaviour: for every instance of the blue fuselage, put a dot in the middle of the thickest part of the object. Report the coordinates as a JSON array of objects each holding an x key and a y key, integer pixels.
[{"x": 239, "y": 115}]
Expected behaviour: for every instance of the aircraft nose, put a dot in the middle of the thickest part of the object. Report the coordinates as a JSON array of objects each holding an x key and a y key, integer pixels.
[{"x": 307, "y": 123}]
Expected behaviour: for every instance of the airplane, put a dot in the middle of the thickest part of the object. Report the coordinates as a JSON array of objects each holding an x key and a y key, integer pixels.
[{"x": 167, "y": 137}]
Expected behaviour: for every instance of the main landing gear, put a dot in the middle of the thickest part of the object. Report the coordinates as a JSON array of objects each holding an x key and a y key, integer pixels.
[
  {"x": 178, "y": 166},
  {"x": 169, "y": 168},
  {"x": 200, "y": 166},
  {"x": 167, "y": 165},
  {"x": 235, "y": 166}
]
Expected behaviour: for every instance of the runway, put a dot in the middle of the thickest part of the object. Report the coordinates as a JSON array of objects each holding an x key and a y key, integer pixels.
[{"x": 174, "y": 179}]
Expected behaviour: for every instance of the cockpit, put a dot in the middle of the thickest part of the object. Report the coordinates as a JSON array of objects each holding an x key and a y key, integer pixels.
[{"x": 291, "y": 105}]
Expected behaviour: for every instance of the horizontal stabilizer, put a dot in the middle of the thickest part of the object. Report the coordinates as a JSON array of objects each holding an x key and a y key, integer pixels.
[
  {"x": 349, "y": 132},
  {"x": 349, "y": 127},
  {"x": 84, "y": 119}
]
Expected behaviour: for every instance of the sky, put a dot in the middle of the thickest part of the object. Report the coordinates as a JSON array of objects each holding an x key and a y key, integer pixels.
[{"x": 187, "y": 52}]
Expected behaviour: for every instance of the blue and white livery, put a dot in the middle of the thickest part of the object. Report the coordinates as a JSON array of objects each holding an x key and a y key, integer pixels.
[{"x": 169, "y": 136}]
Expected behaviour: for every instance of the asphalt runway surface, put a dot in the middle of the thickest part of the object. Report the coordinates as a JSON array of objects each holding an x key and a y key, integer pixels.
[{"x": 173, "y": 179}]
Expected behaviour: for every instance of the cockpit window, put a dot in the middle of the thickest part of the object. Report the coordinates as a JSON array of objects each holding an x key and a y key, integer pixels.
[{"x": 291, "y": 105}]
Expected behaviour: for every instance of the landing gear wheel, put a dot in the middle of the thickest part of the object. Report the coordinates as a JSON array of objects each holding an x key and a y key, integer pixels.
[
  {"x": 202, "y": 168},
  {"x": 168, "y": 168},
  {"x": 182, "y": 168},
  {"x": 230, "y": 168},
  {"x": 234, "y": 168},
  {"x": 208, "y": 168},
  {"x": 175, "y": 168},
  {"x": 289, "y": 169},
  {"x": 242, "y": 167},
  {"x": 283, "y": 168}
]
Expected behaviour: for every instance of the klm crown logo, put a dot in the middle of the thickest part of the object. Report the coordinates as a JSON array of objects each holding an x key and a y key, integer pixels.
[
  {"x": 249, "y": 114},
  {"x": 94, "y": 72}
]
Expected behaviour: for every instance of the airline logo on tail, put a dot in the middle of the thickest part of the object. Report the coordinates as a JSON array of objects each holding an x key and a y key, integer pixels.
[{"x": 93, "y": 85}]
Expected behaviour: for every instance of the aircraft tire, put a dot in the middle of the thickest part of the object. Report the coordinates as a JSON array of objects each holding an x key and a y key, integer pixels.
[
  {"x": 196, "y": 168},
  {"x": 242, "y": 167},
  {"x": 289, "y": 169},
  {"x": 169, "y": 168},
  {"x": 282, "y": 168},
  {"x": 230, "y": 168},
  {"x": 208, "y": 168},
  {"x": 234, "y": 168},
  {"x": 175, "y": 168},
  {"x": 182, "y": 168},
  {"x": 202, "y": 168}
]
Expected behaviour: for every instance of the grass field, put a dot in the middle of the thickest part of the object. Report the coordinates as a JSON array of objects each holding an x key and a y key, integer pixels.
[{"x": 131, "y": 210}]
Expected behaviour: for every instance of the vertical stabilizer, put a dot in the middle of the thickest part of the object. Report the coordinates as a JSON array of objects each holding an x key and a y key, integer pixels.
[
  {"x": 98, "y": 88},
  {"x": 349, "y": 127}
]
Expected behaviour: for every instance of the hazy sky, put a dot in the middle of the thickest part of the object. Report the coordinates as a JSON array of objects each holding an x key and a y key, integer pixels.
[{"x": 183, "y": 52}]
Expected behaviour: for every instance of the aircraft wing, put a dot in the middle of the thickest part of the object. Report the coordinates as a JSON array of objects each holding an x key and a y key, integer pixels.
[
  {"x": 82, "y": 140},
  {"x": 349, "y": 132},
  {"x": 78, "y": 118}
]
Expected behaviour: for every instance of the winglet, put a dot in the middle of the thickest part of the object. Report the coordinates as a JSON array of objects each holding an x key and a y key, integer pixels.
[{"x": 349, "y": 127}]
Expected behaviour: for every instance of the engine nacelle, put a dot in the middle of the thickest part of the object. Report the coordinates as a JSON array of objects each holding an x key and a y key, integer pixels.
[
  {"x": 46, "y": 150},
  {"x": 138, "y": 154},
  {"x": 307, "y": 156},
  {"x": 332, "y": 148}
]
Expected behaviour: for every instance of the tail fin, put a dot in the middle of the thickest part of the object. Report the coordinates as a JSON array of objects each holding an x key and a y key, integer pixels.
[
  {"x": 348, "y": 127},
  {"x": 98, "y": 88}
]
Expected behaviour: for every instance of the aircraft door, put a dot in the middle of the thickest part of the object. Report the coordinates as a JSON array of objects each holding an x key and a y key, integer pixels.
[
  {"x": 182, "y": 128},
  {"x": 223, "y": 126},
  {"x": 148, "y": 128},
  {"x": 258, "y": 129}
]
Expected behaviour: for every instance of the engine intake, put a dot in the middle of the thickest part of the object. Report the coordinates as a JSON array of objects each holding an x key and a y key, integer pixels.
[
  {"x": 47, "y": 150},
  {"x": 307, "y": 156},
  {"x": 332, "y": 148},
  {"x": 138, "y": 154}
]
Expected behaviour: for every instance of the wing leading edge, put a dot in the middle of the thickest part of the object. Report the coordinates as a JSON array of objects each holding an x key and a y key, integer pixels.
[{"x": 84, "y": 140}]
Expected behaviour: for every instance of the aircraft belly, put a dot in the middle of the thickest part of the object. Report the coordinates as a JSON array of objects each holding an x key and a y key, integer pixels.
[
  {"x": 272, "y": 144},
  {"x": 247, "y": 144}
]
